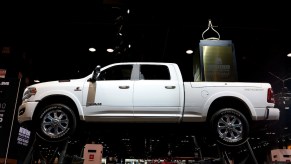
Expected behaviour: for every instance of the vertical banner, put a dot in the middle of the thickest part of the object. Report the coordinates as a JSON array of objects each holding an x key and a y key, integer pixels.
[
  {"x": 218, "y": 62},
  {"x": 9, "y": 89}
]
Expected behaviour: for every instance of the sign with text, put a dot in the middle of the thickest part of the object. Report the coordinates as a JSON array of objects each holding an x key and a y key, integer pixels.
[
  {"x": 23, "y": 136},
  {"x": 218, "y": 60},
  {"x": 8, "y": 99}
]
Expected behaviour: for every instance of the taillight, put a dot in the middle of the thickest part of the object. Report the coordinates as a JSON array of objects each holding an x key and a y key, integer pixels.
[{"x": 270, "y": 97}]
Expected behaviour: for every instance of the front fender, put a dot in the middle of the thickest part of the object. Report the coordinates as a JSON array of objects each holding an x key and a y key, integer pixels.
[{"x": 70, "y": 95}]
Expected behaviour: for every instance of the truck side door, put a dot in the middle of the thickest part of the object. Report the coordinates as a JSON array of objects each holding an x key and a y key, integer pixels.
[
  {"x": 113, "y": 97},
  {"x": 156, "y": 94}
]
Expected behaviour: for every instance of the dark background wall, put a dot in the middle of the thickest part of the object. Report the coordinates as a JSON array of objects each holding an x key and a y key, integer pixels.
[{"x": 50, "y": 40}]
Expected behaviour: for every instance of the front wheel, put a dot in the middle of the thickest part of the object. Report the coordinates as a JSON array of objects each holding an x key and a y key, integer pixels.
[
  {"x": 56, "y": 122},
  {"x": 230, "y": 127}
]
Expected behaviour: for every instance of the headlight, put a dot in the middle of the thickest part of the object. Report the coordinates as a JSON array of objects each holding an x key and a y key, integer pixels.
[{"x": 28, "y": 92}]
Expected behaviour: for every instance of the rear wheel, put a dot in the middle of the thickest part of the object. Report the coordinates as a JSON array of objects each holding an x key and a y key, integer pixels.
[
  {"x": 230, "y": 127},
  {"x": 56, "y": 122}
]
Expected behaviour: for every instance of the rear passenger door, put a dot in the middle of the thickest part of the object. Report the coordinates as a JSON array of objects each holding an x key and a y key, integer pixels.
[{"x": 156, "y": 94}]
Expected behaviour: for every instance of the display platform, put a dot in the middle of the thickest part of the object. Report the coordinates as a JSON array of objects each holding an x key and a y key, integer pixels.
[{"x": 116, "y": 148}]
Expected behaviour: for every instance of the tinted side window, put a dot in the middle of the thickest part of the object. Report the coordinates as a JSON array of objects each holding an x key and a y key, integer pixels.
[
  {"x": 154, "y": 72},
  {"x": 119, "y": 72}
]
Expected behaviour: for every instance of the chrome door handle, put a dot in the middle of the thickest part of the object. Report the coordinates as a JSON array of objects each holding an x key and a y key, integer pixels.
[
  {"x": 170, "y": 87},
  {"x": 124, "y": 87}
]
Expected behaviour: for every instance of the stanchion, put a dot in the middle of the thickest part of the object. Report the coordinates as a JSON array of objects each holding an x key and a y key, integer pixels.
[{"x": 48, "y": 153}]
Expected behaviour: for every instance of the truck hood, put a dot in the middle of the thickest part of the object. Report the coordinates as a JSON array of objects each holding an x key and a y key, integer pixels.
[
  {"x": 59, "y": 83},
  {"x": 62, "y": 87}
]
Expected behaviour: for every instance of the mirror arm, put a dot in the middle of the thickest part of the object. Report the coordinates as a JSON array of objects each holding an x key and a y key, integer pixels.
[{"x": 95, "y": 73}]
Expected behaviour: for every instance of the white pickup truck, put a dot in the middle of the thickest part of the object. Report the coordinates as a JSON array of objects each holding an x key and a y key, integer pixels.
[{"x": 146, "y": 92}]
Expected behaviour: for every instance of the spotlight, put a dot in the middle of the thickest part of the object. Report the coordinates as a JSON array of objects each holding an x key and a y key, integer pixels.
[
  {"x": 189, "y": 52},
  {"x": 92, "y": 49}
]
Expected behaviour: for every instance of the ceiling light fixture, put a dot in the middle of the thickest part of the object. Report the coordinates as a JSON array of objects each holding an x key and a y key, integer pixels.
[
  {"x": 92, "y": 49},
  {"x": 289, "y": 55},
  {"x": 110, "y": 50},
  {"x": 189, "y": 52}
]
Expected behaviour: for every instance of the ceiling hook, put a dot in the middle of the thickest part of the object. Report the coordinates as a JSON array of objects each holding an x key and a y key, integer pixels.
[{"x": 210, "y": 26}]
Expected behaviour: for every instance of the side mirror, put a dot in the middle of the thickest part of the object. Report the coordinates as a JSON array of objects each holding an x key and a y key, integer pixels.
[{"x": 95, "y": 73}]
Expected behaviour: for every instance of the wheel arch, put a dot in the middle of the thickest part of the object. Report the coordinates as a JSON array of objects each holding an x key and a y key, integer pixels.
[
  {"x": 57, "y": 99},
  {"x": 229, "y": 102}
]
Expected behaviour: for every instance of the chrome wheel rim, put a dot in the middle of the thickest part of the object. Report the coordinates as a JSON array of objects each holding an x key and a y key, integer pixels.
[
  {"x": 55, "y": 123},
  {"x": 230, "y": 128}
]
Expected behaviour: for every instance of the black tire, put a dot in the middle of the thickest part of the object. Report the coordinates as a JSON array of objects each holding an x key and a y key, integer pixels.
[
  {"x": 229, "y": 127},
  {"x": 56, "y": 122}
]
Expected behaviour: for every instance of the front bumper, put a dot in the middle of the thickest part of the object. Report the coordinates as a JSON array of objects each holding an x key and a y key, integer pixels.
[{"x": 26, "y": 110}]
